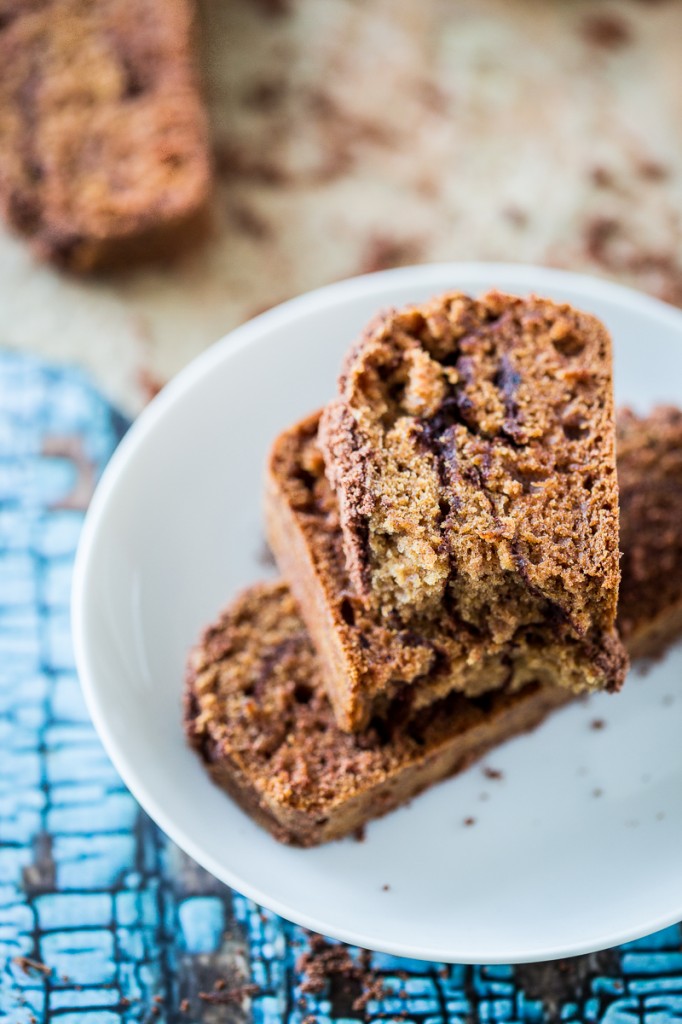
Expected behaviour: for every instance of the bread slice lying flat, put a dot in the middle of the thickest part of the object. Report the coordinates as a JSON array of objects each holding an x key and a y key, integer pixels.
[{"x": 257, "y": 713}]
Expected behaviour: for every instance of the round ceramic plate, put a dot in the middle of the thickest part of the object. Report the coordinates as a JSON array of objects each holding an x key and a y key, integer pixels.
[{"x": 575, "y": 847}]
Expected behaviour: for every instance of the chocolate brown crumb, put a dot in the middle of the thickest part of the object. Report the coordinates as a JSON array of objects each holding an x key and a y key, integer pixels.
[
  {"x": 492, "y": 773},
  {"x": 385, "y": 888},
  {"x": 597, "y": 724},
  {"x": 233, "y": 161},
  {"x": 601, "y": 177},
  {"x": 599, "y": 233},
  {"x": 469, "y": 821},
  {"x": 266, "y": 95},
  {"x": 608, "y": 244},
  {"x": 374, "y": 988},
  {"x": 426, "y": 185},
  {"x": 224, "y": 997},
  {"x": 148, "y": 383},
  {"x": 433, "y": 96},
  {"x": 28, "y": 964},
  {"x": 383, "y": 253},
  {"x": 329, "y": 964},
  {"x": 324, "y": 961},
  {"x": 652, "y": 170},
  {"x": 249, "y": 222},
  {"x": 607, "y": 31},
  {"x": 360, "y": 834},
  {"x": 515, "y": 215}
]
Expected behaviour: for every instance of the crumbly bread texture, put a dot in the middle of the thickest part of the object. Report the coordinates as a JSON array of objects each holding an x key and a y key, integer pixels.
[
  {"x": 472, "y": 453},
  {"x": 371, "y": 661},
  {"x": 104, "y": 148},
  {"x": 650, "y": 479},
  {"x": 257, "y": 712}
]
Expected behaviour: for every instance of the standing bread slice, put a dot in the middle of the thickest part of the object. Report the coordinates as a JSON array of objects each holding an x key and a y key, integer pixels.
[{"x": 471, "y": 450}]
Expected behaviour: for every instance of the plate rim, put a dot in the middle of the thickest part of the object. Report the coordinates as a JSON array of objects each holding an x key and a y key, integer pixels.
[{"x": 227, "y": 347}]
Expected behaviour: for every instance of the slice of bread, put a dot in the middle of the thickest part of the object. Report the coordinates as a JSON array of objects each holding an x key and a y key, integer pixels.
[
  {"x": 371, "y": 660},
  {"x": 104, "y": 146},
  {"x": 472, "y": 454},
  {"x": 257, "y": 713}
]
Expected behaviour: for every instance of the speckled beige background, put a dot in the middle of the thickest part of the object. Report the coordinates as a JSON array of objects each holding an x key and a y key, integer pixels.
[{"x": 352, "y": 135}]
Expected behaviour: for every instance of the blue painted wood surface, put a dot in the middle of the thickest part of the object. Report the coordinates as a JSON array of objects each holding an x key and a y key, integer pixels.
[{"x": 126, "y": 925}]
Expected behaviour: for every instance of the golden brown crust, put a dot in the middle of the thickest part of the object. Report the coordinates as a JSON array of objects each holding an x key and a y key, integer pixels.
[
  {"x": 471, "y": 450},
  {"x": 104, "y": 151},
  {"x": 369, "y": 660}
]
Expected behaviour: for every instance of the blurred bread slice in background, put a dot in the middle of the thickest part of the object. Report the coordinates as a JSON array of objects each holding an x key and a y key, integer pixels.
[{"x": 104, "y": 147}]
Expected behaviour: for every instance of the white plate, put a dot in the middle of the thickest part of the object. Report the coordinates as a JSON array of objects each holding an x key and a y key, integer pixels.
[{"x": 549, "y": 869}]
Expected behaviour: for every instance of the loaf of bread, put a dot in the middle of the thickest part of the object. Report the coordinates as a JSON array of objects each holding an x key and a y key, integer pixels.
[{"x": 104, "y": 147}]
